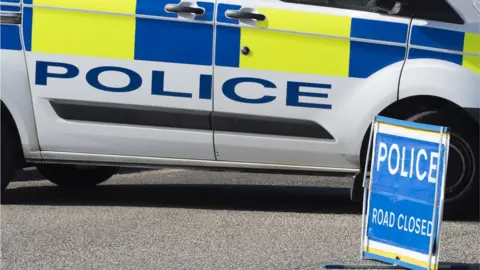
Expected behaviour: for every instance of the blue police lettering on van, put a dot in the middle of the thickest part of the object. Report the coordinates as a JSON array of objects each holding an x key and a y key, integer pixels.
[
  {"x": 42, "y": 73},
  {"x": 205, "y": 86},
  {"x": 229, "y": 90},
  {"x": 158, "y": 85},
  {"x": 293, "y": 92},
  {"x": 293, "y": 95},
  {"x": 158, "y": 78},
  {"x": 134, "y": 84}
]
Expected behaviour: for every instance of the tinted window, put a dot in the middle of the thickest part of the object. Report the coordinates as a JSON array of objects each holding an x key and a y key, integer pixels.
[
  {"x": 436, "y": 10},
  {"x": 348, "y": 4}
]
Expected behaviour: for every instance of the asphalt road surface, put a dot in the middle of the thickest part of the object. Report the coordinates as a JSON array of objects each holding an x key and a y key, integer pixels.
[{"x": 185, "y": 219}]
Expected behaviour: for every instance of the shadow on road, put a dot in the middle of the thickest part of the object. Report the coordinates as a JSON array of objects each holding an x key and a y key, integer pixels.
[
  {"x": 218, "y": 197},
  {"x": 201, "y": 196},
  {"x": 441, "y": 266},
  {"x": 31, "y": 174},
  {"x": 458, "y": 266},
  {"x": 274, "y": 198}
]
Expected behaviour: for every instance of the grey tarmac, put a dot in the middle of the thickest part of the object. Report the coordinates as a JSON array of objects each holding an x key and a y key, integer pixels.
[{"x": 194, "y": 219}]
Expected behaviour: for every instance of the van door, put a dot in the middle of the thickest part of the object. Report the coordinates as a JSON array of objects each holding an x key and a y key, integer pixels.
[
  {"x": 290, "y": 78},
  {"x": 130, "y": 77}
]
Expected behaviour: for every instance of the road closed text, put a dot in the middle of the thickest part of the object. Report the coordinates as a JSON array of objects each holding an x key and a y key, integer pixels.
[{"x": 401, "y": 222}]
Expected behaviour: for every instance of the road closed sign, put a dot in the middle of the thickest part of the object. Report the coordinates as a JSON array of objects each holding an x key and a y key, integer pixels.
[{"x": 403, "y": 199}]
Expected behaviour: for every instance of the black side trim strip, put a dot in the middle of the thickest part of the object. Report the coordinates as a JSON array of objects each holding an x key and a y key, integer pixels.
[
  {"x": 474, "y": 112},
  {"x": 132, "y": 114},
  {"x": 188, "y": 119},
  {"x": 268, "y": 125},
  {"x": 10, "y": 18}
]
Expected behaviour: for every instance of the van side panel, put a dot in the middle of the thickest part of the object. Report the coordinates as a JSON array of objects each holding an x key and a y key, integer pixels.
[
  {"x": 443, "y": 61},
  {"x": 15, "y": 89}
]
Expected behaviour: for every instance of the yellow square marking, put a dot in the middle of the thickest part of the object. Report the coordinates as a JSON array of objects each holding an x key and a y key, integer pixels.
[
  {"x": 306, "y": 22},
  {"x": 118, "y": 6},
  {"x": 472, "y": 43},
  {"x": 83, "y": 33},
  {"x": 472, "y": 63},
  {"x": 287, "y": 52}
]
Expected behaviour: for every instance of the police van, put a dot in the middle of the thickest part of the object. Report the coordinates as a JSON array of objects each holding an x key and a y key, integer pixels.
[{"x": 88, "y": 86}]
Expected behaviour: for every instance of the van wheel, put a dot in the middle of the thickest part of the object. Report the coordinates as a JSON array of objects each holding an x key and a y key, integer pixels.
[
  {"x": 10, "y": 153},
  {"x": 461, "y": 198},
  {"x": 72, "y": 176}
]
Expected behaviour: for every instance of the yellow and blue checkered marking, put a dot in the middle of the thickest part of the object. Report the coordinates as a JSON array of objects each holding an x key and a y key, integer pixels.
[
  {"x": 10, "y": 37},
  {"x": 10, "y": 34},
  {"x": 306, "y": 46},
  {"x": 457, "y": 41},
  {"x": 309, "y": 43},
  {"x": 10, "y": 5},
  {"x": 128, "y": 37}
]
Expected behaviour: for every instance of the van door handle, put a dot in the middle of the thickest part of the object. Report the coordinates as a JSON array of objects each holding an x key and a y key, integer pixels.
[
  {"x": 182, "y": 8},
  {"x": 239, "y": 14}
]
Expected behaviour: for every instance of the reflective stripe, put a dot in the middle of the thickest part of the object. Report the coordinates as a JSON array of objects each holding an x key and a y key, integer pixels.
[
  {"x": 10, "y": 37},
  {"x": 138, "y": 7},
  {"x": 227, "y": 48},
  {"x": 472, "y": 63},
  {"x": 297, "y": 42},
  {"x": 467, "y": 61},
  {"x": 291, "y": 52},
  {"x": 10, "y": 8},
  {"x": 368, "y": 58},
  {"x": 449, "y": 40},
  {"x": 83, "y": 33},
  {"x": 323, "y": 24},
  {"x": 410, "y": 257},
  {"x": 10, "y": 5},
  {"x": 118, "y": 36},
  {"x": 445, "y": 39},
  {"x": 302, "y": 49},
  {"x": 305, "y": 22},
  {"x": 222, "y": 8},
  {"x": 379, "y": 30},
  {"x": 391, "y": 261},
  {"x": 173, "y": 41},
  {"x": 302, "y": 53},
  {"x": 437, "y": 38},
  {"x": 118, "y": 6},
  {"x": 286, "y": 52},
  {"x": 392, "y": 258},
  {"x": 157, "y": 8},
  {"x": 472, "y": 43},
  {"x": 126, "y": 37},
  {"x": 450, "y": 57}
]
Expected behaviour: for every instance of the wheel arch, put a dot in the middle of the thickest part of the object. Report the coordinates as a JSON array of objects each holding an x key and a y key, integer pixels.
[
  {"x": 416, "y": 104},
  {"x": 7, "y": 118}
]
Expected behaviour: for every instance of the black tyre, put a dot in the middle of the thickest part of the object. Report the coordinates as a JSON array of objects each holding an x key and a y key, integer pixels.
[
  {"x": 462, "y": 182},
  {"x": 72, "y": 176},
  {"x": 10, "y": 152}
]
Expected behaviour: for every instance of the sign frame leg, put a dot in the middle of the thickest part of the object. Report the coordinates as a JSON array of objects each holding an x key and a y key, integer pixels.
[
  {"x": 438, "y": 203},
  {"x": 365, "y": 185}
]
